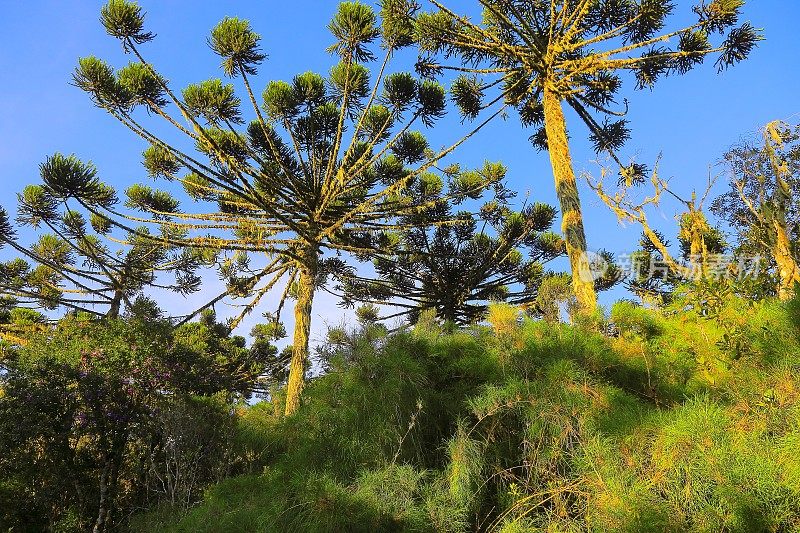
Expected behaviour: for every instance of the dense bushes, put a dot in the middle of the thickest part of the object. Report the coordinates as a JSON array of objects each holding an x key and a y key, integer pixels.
[
  {"x": 537, "y": 427},
  {"x": 99, "y": 419},
  {"x": 678, "y": 420}
]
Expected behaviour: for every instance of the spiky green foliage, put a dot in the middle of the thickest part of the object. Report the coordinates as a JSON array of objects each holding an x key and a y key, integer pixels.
[
  {"x": 456, "y": 270},
  {"x": 215, "y": 102},
  {"x": 304, "y": 177},
  {"x": 654, "y": 280},
  {"x": 76, "y": 263},
  {"x": 537, "y": 55},
  {"x": 578, "y": 50},
  {"x": 125, "y": 21},
  {"x": 547, "y": 427},
  {"x": 237, "y": 44},
  {"x": 357, "y": 470},
  {"x": 397, "y": 28}
]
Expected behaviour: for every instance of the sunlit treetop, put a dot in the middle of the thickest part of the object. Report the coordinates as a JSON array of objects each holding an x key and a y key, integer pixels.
[
  {"x": 764, "y": 184},
  {"x": 326, "y": 160},
  {"x": 579, "y": 50},
  {"x": 761, "y": 206},
  {"x": 313, "y": 167},
  {"x": 656, "y": 268},
  {"x": 456, "y": 270}
]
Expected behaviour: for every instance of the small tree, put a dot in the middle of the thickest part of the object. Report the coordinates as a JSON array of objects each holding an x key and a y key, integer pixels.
[
  {"x": 458, "y": 269},
  {"x": 76, "y": 263},
  {"x": 544, "y": 53},
  {"x": 761, "y": 205},
  {"x": 650, "y": 276},
  {"x": 655, "y": 268},
  {"x": 86, "y": 409},
  {"x": 324, "y": 164}
]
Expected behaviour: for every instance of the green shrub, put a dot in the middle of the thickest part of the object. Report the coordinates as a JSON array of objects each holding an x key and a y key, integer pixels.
[{"x": 680, "y": 422}]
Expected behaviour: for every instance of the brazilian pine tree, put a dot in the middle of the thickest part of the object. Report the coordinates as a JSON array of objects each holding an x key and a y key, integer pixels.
[
  {"x": 542, "y": 54},
  {"x": 75, "y": 264},
  {"x": 456, "y": 270},
  {"x": 761, "y": 205},
  {"x": 318, "y": 169}
]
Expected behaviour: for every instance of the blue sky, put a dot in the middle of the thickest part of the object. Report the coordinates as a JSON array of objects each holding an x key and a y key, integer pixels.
[{"x": 690, "y": 120}]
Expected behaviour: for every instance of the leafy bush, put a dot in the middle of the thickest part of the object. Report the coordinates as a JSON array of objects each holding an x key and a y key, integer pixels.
[{"x": 100, "y": 418}]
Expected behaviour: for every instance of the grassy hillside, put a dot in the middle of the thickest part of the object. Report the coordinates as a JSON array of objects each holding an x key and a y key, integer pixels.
[{"x": 667, "y": 422}]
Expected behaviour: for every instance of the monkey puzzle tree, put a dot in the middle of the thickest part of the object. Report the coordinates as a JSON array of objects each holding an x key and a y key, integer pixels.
[
  {"x": 761, "y": 206},
  {"x": 72, "y": 266},
  {"x": 654, "y": 277},
  {"x": 323, "y": 166},
  {"x": 649, "y": 275},
  {"x": 458, "y": 269},
  {"x": 540, "y": 54}
]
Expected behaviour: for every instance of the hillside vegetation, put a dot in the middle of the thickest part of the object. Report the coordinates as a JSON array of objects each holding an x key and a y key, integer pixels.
[
  {"x": 506, "y": 398},
  {"x": 674, "y": 422}
]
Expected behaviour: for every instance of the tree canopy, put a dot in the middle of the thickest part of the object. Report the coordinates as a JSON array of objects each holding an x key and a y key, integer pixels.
[
  {"x": 75, "y": 263},
  {"x": 761, "y": 205},
  {"x": 458, "y": 269},
  {"x": 326, "y": 165},
  {"x": 536, "y": 55}
]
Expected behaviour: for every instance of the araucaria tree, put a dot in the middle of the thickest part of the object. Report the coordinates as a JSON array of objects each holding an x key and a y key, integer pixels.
[
  {"x": 457, "y": 270},
  {"x": 73, "y": 265},
  {"x": 762, "y": 204},
  {"x": 542, "y": 54},
  {"x": 323, "y": 167}
]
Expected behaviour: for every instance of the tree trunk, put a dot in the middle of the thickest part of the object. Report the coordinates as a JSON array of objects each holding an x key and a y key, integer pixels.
[
  {"x": 787, "y": 266},
  {"x": 102, "y": 513},
  {"x": 302, "y": 328},
  {"x": 698, "y": 253},
  {"x": 567, "y": 191},
  {"x": 116, "y": 305}
]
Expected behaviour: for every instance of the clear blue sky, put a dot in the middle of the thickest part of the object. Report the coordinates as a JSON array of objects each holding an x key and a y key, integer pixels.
[{"x": 691, "y": 119}]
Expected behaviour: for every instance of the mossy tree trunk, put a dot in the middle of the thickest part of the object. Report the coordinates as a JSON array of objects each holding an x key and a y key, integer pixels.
[
  {"x": 788, "y": 271},
  {"x": 302, "y": 328},
  {"x": 787, "y": 267},
  {"x": 698, "y": 251},
  {"x": 567, "y": 191}
]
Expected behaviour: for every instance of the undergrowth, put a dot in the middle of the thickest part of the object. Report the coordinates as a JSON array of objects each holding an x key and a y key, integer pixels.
[{"x": 677, "y": 421}]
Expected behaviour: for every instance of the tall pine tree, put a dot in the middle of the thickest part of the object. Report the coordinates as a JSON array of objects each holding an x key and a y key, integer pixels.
[
  {"x": 542, "y": 54},
  {"x": 322, "y": 169},
  {"x": 456, "y": 270},
  {"x": 76, "y": 263}
]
